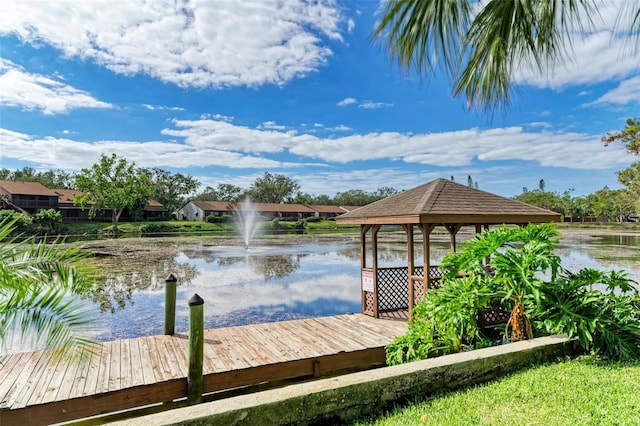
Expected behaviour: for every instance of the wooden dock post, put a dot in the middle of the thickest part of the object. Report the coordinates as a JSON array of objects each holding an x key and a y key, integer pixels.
[
  {"x": 170, "y": 285},
  {"x": 195, "y": 379}
]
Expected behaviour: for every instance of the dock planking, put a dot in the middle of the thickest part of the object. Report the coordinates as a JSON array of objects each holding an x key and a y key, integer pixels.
[{"x": 36, "y": 388}]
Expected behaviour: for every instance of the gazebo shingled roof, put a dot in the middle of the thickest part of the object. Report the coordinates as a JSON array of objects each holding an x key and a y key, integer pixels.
[{"x": 445, "y": 201}]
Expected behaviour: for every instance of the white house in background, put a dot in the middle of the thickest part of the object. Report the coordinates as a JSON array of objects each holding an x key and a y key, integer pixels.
[{"x": 199, "y": 210}]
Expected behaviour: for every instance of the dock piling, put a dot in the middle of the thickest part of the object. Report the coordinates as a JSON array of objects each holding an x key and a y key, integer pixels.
[
  {"x": 195, "y": 379},
  {"x": 170, "y": 285}
]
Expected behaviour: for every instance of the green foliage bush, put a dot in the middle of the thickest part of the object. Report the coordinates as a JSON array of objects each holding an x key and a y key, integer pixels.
[
  {"x": 22, "y": 223},
  {"x": 150, "y": 228},
  {"x": 48, "y": 220},
  {"x": 226, "y": 218},
  {"x": 601, "y": 309}
]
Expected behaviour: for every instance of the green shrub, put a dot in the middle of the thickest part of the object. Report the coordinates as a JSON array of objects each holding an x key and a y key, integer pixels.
[
  {"x": 225, "y": 218},
  {"x": 601, "y": 309},
  {"x": 151, "y": 228},
  {"x": 48, "y": 220},
  {"x": 23, "y": 223}
]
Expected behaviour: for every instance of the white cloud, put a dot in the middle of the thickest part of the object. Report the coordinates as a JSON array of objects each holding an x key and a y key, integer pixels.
[
  {"x": 602, "y": 54},
  {"x": 271, "y": 125},
  {"x": 347, "y": 101},
  {"x": 367, "y": 104},
  {"x": 191, "y": 44},
  {"x": 70, "y": 154},
  {"x": 162, "y": 108},
  {"x": 543, "y": 124},
  {"x": 220, "y": 117},
  {"x": 218, "y": 143},
  {"x": 350, "y": 25},
  {"x": 341, "y": 128},
  {"x": 627, "y": 92},
  {"x": 374, "y": 105},
  {"x": 29, "y": 91}
]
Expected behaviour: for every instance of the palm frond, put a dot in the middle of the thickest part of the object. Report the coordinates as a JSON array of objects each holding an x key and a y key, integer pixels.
[
  {"x": 40, "y": 288},
  {"x": 505, "y": 34},
  {"x": 421, "y": 34}
]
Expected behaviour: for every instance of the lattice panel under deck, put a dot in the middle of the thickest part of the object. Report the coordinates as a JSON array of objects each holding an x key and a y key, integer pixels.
[
  {"x": 369, "y": 303},
  {"x": 493, "y": 318}
]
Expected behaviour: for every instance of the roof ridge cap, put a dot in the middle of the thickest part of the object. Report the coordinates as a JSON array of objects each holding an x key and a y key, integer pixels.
[{"x": 430, "y": 197}]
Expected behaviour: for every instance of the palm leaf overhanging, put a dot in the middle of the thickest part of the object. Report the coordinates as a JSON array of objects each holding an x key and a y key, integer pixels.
[
  {"x": 41, "y": 286},
  {"x": 480, "y": 45}
]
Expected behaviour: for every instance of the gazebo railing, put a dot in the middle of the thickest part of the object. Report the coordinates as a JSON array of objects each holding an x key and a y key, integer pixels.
[{"x": 393, "y": 288}]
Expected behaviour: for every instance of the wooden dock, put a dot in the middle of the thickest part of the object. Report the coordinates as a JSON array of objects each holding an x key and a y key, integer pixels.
[{"x": 129, "y": 373}]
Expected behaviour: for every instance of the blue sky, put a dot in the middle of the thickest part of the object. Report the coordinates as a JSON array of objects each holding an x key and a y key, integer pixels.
[{"x": 225, "y": 91}]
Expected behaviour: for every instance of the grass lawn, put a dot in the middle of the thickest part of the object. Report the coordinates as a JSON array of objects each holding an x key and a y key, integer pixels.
[
  {"x": 581, "y": 391},
  {"x": 185, "y": 227}
]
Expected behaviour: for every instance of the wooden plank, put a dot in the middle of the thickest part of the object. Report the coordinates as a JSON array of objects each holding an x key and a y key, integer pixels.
[
  {"x": 11, "y": 370},
  {"x": 181, "y": 349},
  {"x": 126, "y": 369},
  {"x": 367, "y": 337},
  {"x": 223, "y": 351},
  {"x": 102, "y": 384},
  {"x": 73, "y": 409},
  {"x": 77, "y": 387},
  {"x": 33, "y": 381},
  {"x": 236, "y": 345},
  {"x": 50, "y": 379},
  {"x": 154, "y": 359},
  {"x": 333, "y": 332},
  {"x": 388, "y": 329},
  {"x": 309, "y": 337},
  {"x": 148, "y": 373},
  {"x": 349, "y": 334},
  {"x": 115, "y": 375},
  {"x": 171, "y": 362},
  {"x": 267, "y": 351},
  {"x": 292, "y": 339},
  {"x": 242, "y": 348},
  {"x": 93, "y": 370},
  {"x": 212, "y": 362},
  {"x": 136, "y": 377},
  {"x": 254, "y": 349},
  {"x": 56, "y": 382},
  {"x": 275, "y": 339},
  {"x": 255, "y": 375},
  {"x": 69, "y": 382}
]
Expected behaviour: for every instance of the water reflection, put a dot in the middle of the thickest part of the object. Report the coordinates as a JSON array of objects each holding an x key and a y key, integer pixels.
[
  {"x": 617, "y": 240},
  {"x": 272, "y": 283},
  {"x": 114, "y": 289}
]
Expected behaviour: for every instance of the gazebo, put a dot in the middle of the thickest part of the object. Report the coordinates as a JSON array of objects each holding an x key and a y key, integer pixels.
[{"x": 438, "y": 203}]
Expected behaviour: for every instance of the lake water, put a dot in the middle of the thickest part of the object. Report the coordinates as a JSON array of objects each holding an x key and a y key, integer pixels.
[{"x": 279, "y": 282}]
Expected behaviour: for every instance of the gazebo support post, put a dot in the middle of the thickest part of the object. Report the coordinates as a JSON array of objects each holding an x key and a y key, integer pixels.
[
  {"x": 410, "y": 264},
  {"x": 453, "y": 229},
  {"x": 374, "y": 265},
  {"x": 426, "y": 229},
  {"x": 363, "y": 262}
]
